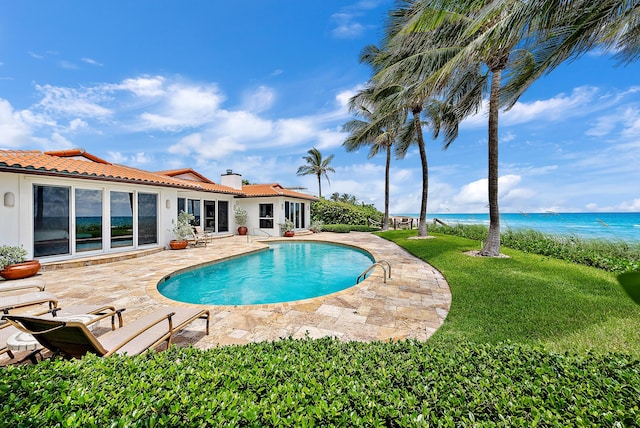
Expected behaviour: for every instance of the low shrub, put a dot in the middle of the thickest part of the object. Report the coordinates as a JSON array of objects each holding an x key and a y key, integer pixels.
[
  {"x": 346, "y": 228},
  {"x": 327, "y": 382},
  {"x": 337, "y": 228}
]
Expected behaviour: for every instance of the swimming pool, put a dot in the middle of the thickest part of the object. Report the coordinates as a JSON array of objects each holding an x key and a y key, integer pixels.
[{"x": 287, "y": 271}]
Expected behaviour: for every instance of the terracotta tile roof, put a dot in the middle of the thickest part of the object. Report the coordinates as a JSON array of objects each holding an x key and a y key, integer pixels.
[
  {"x": 184, "y": 171},
  {"x": 80, "y": 164},
  {"x": 274, "y": 189}
]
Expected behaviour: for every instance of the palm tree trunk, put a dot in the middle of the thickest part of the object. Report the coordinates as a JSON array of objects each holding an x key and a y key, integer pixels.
[
  {"x": 491, "y": 247},
  {"x": 319, "y": 187},
  {"x": 422, "y": 222},
  {"x": 385, "y": 220}
]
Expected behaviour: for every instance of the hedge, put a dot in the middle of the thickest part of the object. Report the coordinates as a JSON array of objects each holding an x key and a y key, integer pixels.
[
  {"x": 326, "y": 382},
  {"x": 331, "y": 212}
]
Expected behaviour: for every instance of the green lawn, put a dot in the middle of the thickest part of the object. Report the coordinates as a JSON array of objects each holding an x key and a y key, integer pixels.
[{"x": 528, "y": 299}]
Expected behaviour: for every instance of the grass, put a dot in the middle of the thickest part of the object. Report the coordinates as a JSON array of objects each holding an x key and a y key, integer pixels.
[{"x": 527, "y": 298}]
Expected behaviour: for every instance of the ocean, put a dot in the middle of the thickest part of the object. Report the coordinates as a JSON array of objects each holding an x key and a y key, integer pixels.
[{"x": 610, "y": 226}]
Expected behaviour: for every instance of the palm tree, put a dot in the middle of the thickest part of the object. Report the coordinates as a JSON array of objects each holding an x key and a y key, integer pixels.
[
  {"x": 375, "y": 129},
  {"x": 316, "y": 166},
  {"x": 396, "y": 100},
  {"x": 451, "y": 46},
  {"x": 335, "y": 197}
]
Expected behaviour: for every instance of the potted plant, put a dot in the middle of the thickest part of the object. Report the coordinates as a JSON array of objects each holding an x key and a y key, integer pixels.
[
  {"x": 316, "y": 226},
  {"x": 241, "y": 217},
  {"x": 287, "y": 228},
  {"x": 182, "y": 230},
  {"x": 13, "y": 263}
]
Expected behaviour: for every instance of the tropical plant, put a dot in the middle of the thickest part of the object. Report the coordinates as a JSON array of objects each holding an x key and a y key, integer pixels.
[
  {"x": 454, "y": 45},
  {"x": 182, "y": 228},
  {"x": 10, "y": 255},
  {"x": 241, "y": 216},
  {"x": 287, "y": 226},
  {"x": 376, "y": 129},
  {"x": 316, "y": 226},
  {"x": 317, "y": 166}
]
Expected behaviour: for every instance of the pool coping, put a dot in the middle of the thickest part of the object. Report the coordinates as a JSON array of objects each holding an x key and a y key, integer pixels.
[{"x": 412, "y": 305}]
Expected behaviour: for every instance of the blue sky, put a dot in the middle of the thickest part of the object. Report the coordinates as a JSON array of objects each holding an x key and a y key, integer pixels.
[{"x": 252, "y": 86}]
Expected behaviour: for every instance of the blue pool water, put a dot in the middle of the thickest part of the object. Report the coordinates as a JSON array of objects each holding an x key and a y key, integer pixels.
[{"x": 286, "y": 272}]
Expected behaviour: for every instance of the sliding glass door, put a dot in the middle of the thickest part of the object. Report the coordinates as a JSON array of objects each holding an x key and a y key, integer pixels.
[{"x": 51, "y": 220}]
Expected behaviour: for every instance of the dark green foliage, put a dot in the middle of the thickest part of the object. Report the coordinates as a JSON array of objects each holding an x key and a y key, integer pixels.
[
  {"x": 327, "y": 383},
  {"x": 611, "y": 256},
  {"x": 346, "y": 228},
  {"x": 331, "y": 212}
]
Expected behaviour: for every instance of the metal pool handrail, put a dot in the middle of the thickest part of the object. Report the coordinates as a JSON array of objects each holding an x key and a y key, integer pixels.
[{"x": 373, "y": 266}]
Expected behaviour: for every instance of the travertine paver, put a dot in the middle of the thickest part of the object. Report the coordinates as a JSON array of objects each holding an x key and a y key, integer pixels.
[{"x": 412, "y": 304}]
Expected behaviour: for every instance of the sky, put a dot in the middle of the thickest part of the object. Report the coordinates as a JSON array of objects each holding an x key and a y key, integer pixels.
[{"x": 252, "y": 86}]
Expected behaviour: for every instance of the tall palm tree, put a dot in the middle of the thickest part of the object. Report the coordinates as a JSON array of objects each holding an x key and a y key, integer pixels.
[
  {"x": 317, "y": 166},
  {"x": 453, "y": 48},
  {"x": 398, "y": 99},
  {"x": 377, "y": 130}
]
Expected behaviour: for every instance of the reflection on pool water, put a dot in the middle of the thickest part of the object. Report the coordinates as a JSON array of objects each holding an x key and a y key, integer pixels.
[{"x": 286, "y": 272}]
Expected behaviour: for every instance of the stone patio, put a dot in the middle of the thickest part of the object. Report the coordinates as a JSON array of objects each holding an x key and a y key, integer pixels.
[{"x": 412, "y": 304}]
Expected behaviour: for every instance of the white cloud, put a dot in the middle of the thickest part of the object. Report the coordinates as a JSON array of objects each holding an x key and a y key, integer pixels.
[
  {"x": 205, "y": 146},
  {"x": 241, "y": 125},
  {"x": 259, "y": 100},
  {"x": 13, "y": 128},
  {"x": 142, "y": 86},
  {"x": 72, "y": 102},
  {"x": 92, "y": 62},
  {"x": 346, "y": 27},
  {"x": 558, "y": 108}
]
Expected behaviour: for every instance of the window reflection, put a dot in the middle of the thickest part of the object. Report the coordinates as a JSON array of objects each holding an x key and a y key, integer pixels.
[
  {"x": 50, "y": 220},
  {"x": 147, "y": 218},
  {"x": 121, "y": 219},
  {"x": 88, "y": 220}
]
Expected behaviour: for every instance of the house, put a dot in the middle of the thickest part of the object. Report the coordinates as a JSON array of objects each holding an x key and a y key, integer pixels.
[{"x": 68, "y": 204}]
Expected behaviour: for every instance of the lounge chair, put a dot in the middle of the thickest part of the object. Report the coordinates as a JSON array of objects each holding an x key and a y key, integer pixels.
[
  {"x": 74, "y": 339},
  {"x": 101, "y": 311},
  {"x": 22, "y": 285},
  {"x": 405, "y": 223},
  {"x": 199, "y": 237},
  {"x": 7, "y": 303}
]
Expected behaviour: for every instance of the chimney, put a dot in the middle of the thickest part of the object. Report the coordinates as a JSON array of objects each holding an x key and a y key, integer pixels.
[{"x": 231, "y": 179}]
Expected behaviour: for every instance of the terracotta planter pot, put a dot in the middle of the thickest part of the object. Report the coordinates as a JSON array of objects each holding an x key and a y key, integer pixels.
[
  {"x": 289, "y": 233},
  {"x": 242, "y": 230},
  {"x": 21, "y": 270},
  {"x": 178, "y": 245}
]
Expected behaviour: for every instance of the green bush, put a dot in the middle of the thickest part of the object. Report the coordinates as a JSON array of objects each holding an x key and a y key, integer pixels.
[
  {"x": 331, "y": 212},
  {"x": 346, "y": 228},
  {"x": 327, "y": 382},
  {"x": 617, "y": 257}
]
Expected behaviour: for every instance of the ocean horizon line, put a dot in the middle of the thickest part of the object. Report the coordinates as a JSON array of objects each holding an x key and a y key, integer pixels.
[{"x": 623, "y": 226}]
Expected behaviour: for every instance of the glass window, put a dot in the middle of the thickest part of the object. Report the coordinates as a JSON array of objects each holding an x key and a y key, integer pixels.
[
  {"x": 193, "y": 207},
  {"x": 302, "y": 215},
  {"x": 223, "y": 216},
  {"x": 147, "y": 218},
  {"x": 266, "y": 216},
  {"x": 210, "y": 216},
  {"x": 88, "y": 220},
  {"x": 51, "y": 220},
  {"x": 121, "y": 219},
  {"x": 182, "y": 205}
]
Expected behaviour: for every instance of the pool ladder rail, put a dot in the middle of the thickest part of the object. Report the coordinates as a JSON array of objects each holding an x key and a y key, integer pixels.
[
  {"x": 249, "y": 239},
  {"x": 380, "y": 263}
]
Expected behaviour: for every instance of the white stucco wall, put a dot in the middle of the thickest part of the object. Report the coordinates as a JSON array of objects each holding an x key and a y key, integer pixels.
[{"x": 9, "y": 216}]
